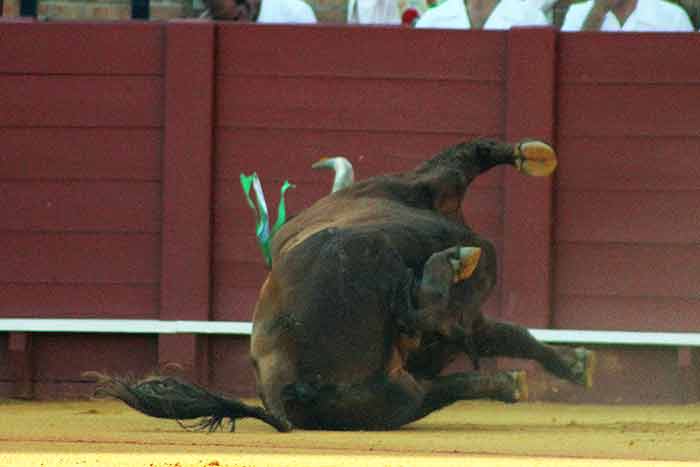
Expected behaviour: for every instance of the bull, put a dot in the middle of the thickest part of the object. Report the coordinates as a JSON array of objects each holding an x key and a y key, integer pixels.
[{"x": 373, "y": 291}]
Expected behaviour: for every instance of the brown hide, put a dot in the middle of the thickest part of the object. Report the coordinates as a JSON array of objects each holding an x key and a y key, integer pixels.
[
  {"x": 344, "y": 269},
  {"x": 373, "y": 290}
]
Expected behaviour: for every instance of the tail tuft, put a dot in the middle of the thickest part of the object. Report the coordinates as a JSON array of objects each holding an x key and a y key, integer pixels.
[{"x": 172, "y": 398}]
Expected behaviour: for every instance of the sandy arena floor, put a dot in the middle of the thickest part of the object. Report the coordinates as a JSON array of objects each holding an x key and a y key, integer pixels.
[{"x": 107, "y": 433}]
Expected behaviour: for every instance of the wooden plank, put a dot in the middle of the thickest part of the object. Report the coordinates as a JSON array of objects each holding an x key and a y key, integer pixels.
[
  {"x": 64, "y": 357},
  {"x": 628, "y": 163},
  {"x": 346, "y": 104},
  {"x": 230, "y": 356},
  {"x": 626, "y": 58},
  {"x": 80, "y": 206},
  {"x": 375, "y": 52},
  {"x": 5, "y": 370},
  {"x": 371, "y": 153},
  {"x": 627, "y": 270},
  {"x": 80, "y": 153},
  {"x": 31, "y": 258},
  {"x": 79, "y": 301},
  {"x": 527, "y": 201},
  {"x": 659, "y": 314},
  {"x": 187, "y": 173},
  {"x": 21, "y": 363},
  {"x": 187, "y": 191},
  {"x": 228, "y": 273},
  {"x": 234, "y": 303},
  {"x": 92, "y": 101},
  {"x": 135, "y": 48},
  {"x": 633, "y": 217},
  {"x": 625, "y": 376},
  {"x": 237, "y": 245},
  {"x": 628, "y": 110}
]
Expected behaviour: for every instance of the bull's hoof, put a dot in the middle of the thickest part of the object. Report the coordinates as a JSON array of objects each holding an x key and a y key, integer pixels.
[
  {"x": 521, "y": 389},
  {"x": 535, "y": 158},
  {"x": 583, "y": 368},
  {"x": 465, "y": 265},
  {"x": 513, "y": 386}
]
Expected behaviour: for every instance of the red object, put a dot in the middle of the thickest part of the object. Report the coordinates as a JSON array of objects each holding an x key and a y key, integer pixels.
[
  {"x": 409, "y": 17},
  {"x": 95, "y": 222}
]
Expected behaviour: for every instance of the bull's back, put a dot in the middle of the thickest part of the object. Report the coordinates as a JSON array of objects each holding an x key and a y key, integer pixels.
[
  {"x": 332, "y": 295},
  {"x": 413, "y": 233},
  {"x": 323, "y": 317}
]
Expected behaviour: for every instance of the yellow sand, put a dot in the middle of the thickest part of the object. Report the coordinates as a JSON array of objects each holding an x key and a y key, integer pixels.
[{"x": 107, "y": 433}]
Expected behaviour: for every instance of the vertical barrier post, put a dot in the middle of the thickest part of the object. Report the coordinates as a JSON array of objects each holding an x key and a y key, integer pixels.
[
  {"x": 22, "y": 364},
  {"x": 526, "y": 268},
  {"x": 689, "y": 374},
  {"x": 187, "y": 191}
]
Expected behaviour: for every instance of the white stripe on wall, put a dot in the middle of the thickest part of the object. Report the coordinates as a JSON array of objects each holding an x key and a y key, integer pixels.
[{"x": 244, "y": 328}]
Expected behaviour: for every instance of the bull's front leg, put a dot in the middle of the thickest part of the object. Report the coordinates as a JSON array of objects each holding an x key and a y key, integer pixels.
[{"x": 500, "y": 339}]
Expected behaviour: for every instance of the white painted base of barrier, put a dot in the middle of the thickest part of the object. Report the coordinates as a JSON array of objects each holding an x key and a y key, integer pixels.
[
  {"x": 146, "y": 326},
  {"x": 124, "y": 326}
]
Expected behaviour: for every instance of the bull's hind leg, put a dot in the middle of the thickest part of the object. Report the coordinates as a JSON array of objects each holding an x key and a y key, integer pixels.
[
  {"x": 394, "y": 400},
  {"x": 498, "y": 339},
  {"x": 505, "y": 386}
]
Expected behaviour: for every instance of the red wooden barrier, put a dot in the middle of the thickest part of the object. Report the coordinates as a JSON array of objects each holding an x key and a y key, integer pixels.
[
  {"x": 527, "y": 201},
  {"x": 187, "y": 174},
  {"x": 81, "y": 129},
  {"x": 119, "y": 192},
  {"x": 627, "y": 216}
]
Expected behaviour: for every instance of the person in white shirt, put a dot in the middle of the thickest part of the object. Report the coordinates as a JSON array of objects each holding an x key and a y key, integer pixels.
[
  {"x": 260, "y": 11},
  {"x": 482, "y": 14},
  {"x": 373, "y": 12},
  {"x": 627, "y": 15}
]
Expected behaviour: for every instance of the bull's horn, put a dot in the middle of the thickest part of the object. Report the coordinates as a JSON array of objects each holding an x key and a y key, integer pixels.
[
  {"x": 464, "y": 267},
  {"x": 344, "y": 174},
  {"x": 535, "y": 158}
]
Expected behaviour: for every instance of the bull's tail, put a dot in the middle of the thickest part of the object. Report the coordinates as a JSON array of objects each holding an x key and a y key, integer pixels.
[{"x": 168, "y": 397}]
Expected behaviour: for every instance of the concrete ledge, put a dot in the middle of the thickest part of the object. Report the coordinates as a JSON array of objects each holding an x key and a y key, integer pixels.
[{"x": 147, "y": 326}]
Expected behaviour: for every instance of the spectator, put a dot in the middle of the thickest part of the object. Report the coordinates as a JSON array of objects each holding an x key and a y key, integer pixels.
[
  {"x": 626, "y": 15},
  {"x": 692, "y": 7},
  {"x": 482, "y": 14},
  {"x": 260, "y": 11},
  {"x": 409, "y": 17},
  {"x": 546, "y": 7},
  {"x": 373, "y": 12}
]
